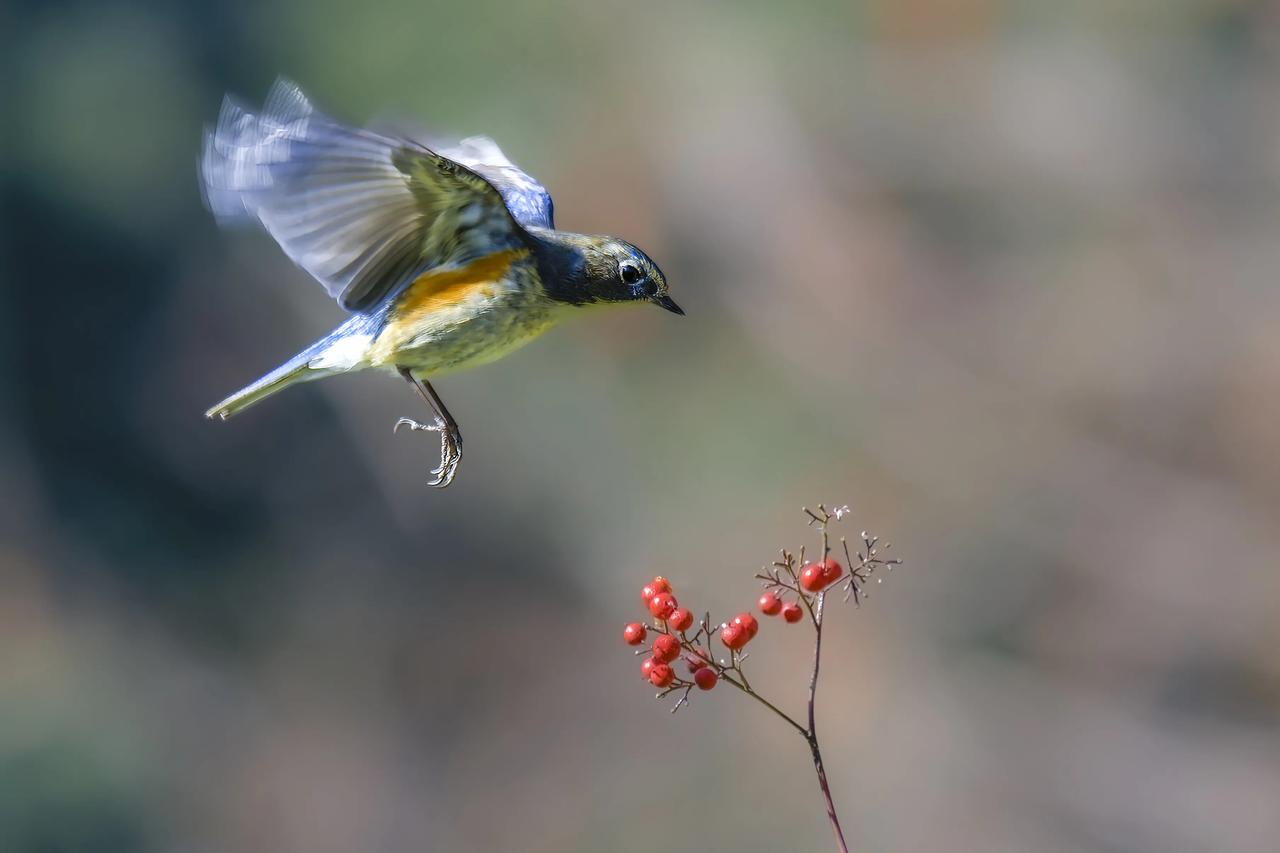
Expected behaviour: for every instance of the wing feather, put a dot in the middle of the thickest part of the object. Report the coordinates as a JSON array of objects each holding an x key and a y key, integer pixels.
[
  {"x": 361, "y": 211},
  {"x": 528, "y": 200}
]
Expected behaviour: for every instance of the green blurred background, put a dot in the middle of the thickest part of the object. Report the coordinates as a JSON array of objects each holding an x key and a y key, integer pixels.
[{"x": 1002, "y": 276}]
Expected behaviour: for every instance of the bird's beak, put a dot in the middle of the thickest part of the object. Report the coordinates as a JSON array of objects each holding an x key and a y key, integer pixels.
[{"x": 667, "y": 302}]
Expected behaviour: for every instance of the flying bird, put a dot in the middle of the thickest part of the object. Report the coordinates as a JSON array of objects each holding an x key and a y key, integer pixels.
[{"x": 446, "y": 257}]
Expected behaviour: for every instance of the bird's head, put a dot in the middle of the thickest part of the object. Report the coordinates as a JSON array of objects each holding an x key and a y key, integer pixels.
[{"x": 596, "y": 270}]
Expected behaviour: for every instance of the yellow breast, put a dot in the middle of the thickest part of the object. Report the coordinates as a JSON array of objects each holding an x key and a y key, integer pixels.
[{"x": 445, "y": 313}]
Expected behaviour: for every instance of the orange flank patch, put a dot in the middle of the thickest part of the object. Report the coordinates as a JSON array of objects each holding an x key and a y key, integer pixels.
[{"x": 435, "y": 290}]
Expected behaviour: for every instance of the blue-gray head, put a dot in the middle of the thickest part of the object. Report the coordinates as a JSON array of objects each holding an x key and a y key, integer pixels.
[{"x": 587, "y": 269}]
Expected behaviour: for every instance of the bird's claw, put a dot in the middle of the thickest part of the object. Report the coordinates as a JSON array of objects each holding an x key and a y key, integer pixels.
[
  {"x": 450, "y": 448},
  {"x": 414, "y": 426}
]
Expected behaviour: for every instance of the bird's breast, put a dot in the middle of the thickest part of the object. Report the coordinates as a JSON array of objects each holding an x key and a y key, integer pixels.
[{"x": 449, "y": 319}]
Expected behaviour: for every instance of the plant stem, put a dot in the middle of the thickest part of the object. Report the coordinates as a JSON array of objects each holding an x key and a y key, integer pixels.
[
  {"x": 815, "y": 607},
  {"x": 726, "y": 675},
  {"x": 812, "y": 734},
  {"x": 765, "y": 702}
]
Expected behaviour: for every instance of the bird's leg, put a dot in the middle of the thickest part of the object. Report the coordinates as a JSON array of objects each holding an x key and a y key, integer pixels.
[{"x": 450, "y": 436}]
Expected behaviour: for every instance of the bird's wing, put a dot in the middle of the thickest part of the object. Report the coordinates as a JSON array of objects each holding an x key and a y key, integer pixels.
[
  {"x": 360, "y": 211},
  {"x": 528, "y": 200}
]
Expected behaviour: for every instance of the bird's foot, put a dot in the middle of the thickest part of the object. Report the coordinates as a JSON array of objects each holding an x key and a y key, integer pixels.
[{"x": 450, "y": 448}]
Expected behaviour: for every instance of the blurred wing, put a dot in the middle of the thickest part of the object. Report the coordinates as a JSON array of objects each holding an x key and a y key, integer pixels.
[
  {"x": 528, "y": 200},
  {"x": 362, "y": 212}
]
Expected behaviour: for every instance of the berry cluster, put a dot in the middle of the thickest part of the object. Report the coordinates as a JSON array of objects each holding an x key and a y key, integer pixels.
[
  {"x": 793, "y": 589},
  {"x": 791, "y": 576},
  {"x": 672, "y": 623},
  {"x": 671, "y": 639}
]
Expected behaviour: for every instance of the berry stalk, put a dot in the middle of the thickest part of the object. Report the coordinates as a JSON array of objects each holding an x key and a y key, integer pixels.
[
  {"x": 812, "y": 734},
  {"x": 790, "y": 577}
]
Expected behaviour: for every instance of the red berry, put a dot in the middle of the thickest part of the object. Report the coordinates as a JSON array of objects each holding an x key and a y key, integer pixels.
[
  {"x": 705, "y": 678},
  {"x": 634, "y": 634},
  {"x": 792, "y": 612},
  {"x": 681, "y": 619},
  {"x": 697, "y": 659},
  {"x": 831, "y": 570},
  {"x": 770, "y": 604},
  {"x": 812, "y": 578},
  {"x": 647, "y": 665},
  {"x": 733, "y": 636},
  {"x": 653, "y": 587},
  {"x": 660, "y": 675},
  {"x": 666, "y": 648},
  {"x": 749, "y": 624},
  {"x": 662, "y": 605}
]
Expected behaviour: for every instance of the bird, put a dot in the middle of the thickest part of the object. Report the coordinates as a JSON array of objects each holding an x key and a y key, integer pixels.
[{"x": 445, "y": 256}]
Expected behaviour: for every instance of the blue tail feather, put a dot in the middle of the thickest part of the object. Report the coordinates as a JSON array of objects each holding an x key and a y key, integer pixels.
[{"x": 314, "y": 362}]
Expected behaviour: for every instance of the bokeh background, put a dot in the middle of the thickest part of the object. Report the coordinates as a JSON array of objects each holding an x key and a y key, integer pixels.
[{"x": 1001, "y": 276}]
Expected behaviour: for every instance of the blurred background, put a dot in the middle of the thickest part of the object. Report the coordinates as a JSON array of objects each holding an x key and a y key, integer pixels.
[{"x": 1001, "y": 276}]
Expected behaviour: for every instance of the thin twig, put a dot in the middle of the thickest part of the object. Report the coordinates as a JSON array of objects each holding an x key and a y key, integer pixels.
[{"x": 812, "y": 734}]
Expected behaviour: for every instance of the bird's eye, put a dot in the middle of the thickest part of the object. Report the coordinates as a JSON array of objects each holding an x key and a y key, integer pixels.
[{"x": 629, "y": 272}]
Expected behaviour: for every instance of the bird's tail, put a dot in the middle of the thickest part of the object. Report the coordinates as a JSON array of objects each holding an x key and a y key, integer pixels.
[
  {"x": 338, "y": 353},
  {"x": 291, "y": 372}
]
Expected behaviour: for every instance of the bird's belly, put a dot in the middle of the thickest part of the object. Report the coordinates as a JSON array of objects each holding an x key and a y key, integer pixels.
[
  {"x": 484, "y": 329},
  {"x": 480, "y": 340}
]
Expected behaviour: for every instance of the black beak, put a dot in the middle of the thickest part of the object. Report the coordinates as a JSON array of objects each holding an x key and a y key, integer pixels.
[{"x": 667, "y": 302}]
